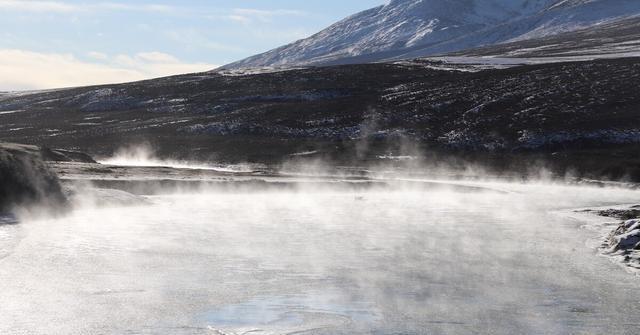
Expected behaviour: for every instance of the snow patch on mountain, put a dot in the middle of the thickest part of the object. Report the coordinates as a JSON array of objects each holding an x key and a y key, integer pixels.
[{"x": 404, "y": 29}]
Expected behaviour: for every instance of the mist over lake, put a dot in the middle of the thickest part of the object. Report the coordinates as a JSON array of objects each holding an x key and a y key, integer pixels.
[{"x": 504, "y": 258}]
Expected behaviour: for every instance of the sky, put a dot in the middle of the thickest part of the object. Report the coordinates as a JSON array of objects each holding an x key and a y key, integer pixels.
[{"x": 62, "y": 43}]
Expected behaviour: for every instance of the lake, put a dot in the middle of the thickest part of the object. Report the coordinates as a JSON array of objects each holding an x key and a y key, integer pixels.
[{"x": 500, "y": 259}]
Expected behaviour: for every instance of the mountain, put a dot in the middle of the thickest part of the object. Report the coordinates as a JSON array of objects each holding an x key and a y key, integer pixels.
[
  {"x": 405, "y": 29},
  {"x": 619, "y": 38}
]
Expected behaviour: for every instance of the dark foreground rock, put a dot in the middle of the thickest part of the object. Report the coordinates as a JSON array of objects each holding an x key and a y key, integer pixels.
[{"x": 25, "y": 180}]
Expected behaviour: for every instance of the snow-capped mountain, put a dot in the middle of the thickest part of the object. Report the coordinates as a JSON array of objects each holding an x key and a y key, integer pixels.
[{"x": 404, "y": 29}]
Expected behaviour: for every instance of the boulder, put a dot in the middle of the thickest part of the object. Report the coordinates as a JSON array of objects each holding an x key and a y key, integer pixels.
[
  {"x": 625, "y": 240},
  {"x": 26, "y": 181}
]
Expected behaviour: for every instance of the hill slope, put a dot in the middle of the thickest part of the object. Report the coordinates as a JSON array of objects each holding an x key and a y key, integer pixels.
[
  {"x": 620, "y": 38},
  {"x": 404, "y": 29},
  {"x": 582, "y": 114}
]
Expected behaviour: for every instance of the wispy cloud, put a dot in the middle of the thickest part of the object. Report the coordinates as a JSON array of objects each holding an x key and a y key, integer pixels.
[
  {"x": 245, "y": 16},
  {"x": 98, "y": 55},
  {"x": 191, "y": 38},
  {"x": 130, "y": 7},
  {"x": 20, "y": 69},
  {"x": 65, "y": 7},
  {"x": 248, "y": 15},
  {"x": 207, "y": 32},
  {"x": 37, "y": 6}
]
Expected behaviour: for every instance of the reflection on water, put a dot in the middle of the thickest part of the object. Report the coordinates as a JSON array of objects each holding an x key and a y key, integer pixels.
[{"x": 290, "y": 314}]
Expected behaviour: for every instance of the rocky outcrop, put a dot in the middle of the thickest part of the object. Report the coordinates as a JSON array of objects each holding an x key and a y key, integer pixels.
[
  {"x": 624, "y": 243},
  {"x": 622, "y": 214},
  {"x": 25, "y": 180}
]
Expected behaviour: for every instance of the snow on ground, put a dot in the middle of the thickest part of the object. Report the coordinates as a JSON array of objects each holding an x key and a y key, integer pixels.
[
  {"x": 618, "y": 241},
  {"x": 623, "y": 244},
  {"x": 10, "y": 112},
  {"x": 254, "y": 70}
]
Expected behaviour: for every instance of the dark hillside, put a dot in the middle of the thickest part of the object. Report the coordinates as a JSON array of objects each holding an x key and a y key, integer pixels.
[{"x": 582, "y": 116}]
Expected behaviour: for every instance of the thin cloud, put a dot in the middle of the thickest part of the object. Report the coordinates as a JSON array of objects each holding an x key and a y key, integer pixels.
[
  {"x": 248, "y": 15},
  {"x": 191, "y": 38},
  {"x": 241, "y": 15},
  {"x": 239, "y": 19},
  {"x": 65, "y": 7},
  {"x": 128, "y": 7},
  {"x": 98, "y": 55},
  {"x": 37, "y": 6},
  {"x": 27, "y": 70}
]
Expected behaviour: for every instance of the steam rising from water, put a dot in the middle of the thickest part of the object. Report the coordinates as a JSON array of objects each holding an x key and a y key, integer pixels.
[
  {"x": 495, "y": 258},
  {"x": 144, "y": 156}
]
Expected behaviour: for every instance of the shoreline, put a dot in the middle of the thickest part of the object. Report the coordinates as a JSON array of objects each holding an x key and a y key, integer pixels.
[
  {"x": 605, "y": 237},
  {"x": 114, "y": 185}
]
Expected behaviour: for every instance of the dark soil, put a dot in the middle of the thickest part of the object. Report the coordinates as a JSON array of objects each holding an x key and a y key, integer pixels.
[{"x": 577, "y": 118}]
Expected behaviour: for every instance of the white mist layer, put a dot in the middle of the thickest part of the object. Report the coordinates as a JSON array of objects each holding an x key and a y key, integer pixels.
[
  {"x": 143, "y": 156},
  {"x": 320, "y": 262}
]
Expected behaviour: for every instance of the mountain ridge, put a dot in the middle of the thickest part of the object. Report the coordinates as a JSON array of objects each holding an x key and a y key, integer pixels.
[{"x": 405, "y": 29}]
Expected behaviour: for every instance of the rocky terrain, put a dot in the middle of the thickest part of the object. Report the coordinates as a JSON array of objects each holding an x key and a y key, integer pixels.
[
  {"x": 619, "y": 234},
  {"x": 624, "y": 243},
  {"x": 622, "y": 214},
  {"x": 572, "y": 117}
]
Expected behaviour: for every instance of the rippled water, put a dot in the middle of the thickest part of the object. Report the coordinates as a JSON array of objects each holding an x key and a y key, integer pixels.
[{"x": 438, "y": 262}]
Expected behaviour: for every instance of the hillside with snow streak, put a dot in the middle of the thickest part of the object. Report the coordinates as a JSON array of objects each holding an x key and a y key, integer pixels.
[{"x": 405, "y": 29}]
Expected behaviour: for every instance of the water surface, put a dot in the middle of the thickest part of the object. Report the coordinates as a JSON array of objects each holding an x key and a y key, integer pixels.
[{"x": 320, "y": 262}]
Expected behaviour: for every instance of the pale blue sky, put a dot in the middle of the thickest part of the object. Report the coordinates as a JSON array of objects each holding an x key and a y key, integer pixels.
[{"x": 45, "y": 44}]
